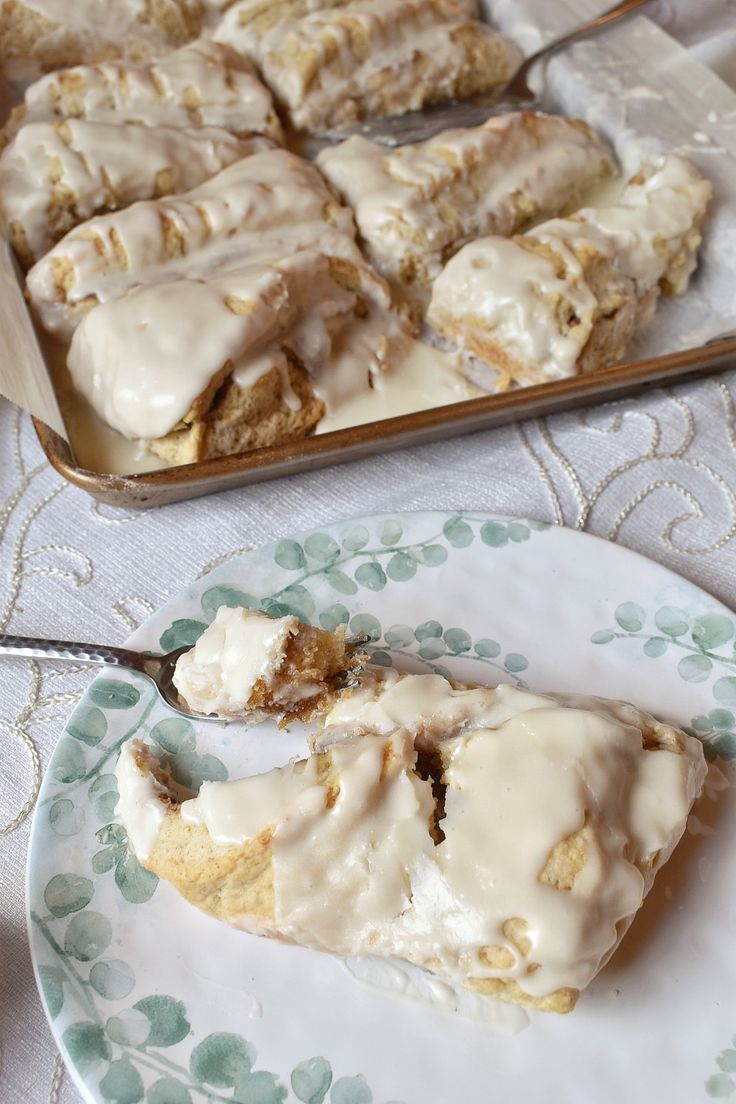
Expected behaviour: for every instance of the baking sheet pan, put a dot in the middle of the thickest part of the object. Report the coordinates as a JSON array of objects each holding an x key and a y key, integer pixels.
[
  {"x": 682, "y": 105},
  {"x": 207, "y": 476}
]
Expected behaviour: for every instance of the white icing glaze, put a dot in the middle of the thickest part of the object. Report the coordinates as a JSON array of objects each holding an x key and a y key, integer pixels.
[
  {"x": 494, "y": 287},
  {"x": 359, "y": 845},
  {"x": 511, "y": 797},
  {"x": 251, "y": 805},
  {"x": 84, "y": 167},
  {"x": 655, "y": 219},
  {"x": 415, "y": 204},
  {"x": 96, "y": 446},
  {"x": 298, "y": 22},
  {"x": 427, "y": 705},
  {"x": 239, "y": 648},
  {"x": 539, "y": 777},
  {"x": 259, "y": 209},
  {"x": 202, "y": 84},
  {"x": 268, "y": 232},
  {"x": 127, "y": 355},
  {"x": 140, "y": 806},
  {"x": 496, "y": 292},
  {"x": 357, "y": 871},
  {"x": 433, "y": 709},
  {"x": 426, "y": 377},
  {"x": 369, "y": 56}
]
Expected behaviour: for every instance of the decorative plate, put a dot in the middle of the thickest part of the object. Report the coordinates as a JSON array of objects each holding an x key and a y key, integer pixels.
[{"x": 152, "y": 1001}]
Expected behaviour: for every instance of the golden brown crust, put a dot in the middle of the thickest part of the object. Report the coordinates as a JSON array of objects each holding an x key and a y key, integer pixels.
[
  {"x": 226, "y": 882},
  {"x": 227, "y": 419},
  {"x": 506, "y": 989}
]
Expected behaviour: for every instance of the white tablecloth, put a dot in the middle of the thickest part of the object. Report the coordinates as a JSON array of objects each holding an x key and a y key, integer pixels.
[{"x": 657, "y": 474}]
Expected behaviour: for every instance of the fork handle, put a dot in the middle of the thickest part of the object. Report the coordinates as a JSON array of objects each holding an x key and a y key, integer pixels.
[
  {"x": 615, "y": 12},
  {"x": 69, "y": 650}
]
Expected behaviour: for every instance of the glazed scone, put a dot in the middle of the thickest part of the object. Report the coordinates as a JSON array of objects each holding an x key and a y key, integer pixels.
[
  {"x": 567, "y": 296},
  {"x": 55, "y": 175},
  {"x": 508, "y": 856},
  {"x": 56, "y": 33},
  {"x": 250, "y": 665},
  {"x": 262, "y": 207},
  {"x": 347, "y": 61},
  {"x": 416, "y": 205},
  {"x": 330, "y": 315},
  {"x": 198, "y": 85},
  {"x": 253, "y": 281}
]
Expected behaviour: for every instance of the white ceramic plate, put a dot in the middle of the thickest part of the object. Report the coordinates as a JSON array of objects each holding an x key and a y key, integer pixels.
[{"x": 150, "y": 999}]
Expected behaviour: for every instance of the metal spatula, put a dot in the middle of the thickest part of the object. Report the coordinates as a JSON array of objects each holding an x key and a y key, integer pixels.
[{"x": 417, "y": 126}]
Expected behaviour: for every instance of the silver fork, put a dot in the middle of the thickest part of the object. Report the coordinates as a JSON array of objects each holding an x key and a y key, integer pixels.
[
  {"x": 417, "y": 126},
  {"x": 159, "y": 669}
]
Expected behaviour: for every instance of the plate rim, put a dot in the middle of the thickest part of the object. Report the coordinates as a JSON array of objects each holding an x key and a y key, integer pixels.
[{"x": 486, "y": 515}]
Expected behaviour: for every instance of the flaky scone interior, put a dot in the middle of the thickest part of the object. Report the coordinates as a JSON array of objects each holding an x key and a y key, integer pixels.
[
  {"x": 500, "y": 839},
  {"x": 251, "y": 665}
]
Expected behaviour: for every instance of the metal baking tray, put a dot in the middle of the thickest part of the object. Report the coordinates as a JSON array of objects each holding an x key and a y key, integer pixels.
[
  {"x": 470, "y": 416},
  {"x": 635, "y": 42}
]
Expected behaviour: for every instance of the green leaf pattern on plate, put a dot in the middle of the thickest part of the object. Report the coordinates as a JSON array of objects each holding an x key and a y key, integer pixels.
[
  {"x": 52, "y": 986},
  {"x": 356, "y": 562},
  {"x": 67, "y": 893},
  {"x": 722, "y": 1085},
  {"x": 122, "y": 1084},
  {"x": 430, "y": 641},
  {"x": 119, "y": 1051},
  {"x": 707, "y": 646},
  {"x": 362, "y": 562},
  {"x": 310, "y": 1080}
]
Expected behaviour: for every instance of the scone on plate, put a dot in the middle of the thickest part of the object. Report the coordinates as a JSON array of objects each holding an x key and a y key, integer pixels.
[
  {"x": 567, "y": 296},
  {"x": 416, "y": 205},
  {"x": 55, "y": 33},
  {"x": 198, "y": 85},
  {"x": 330, "y": 62},
  {"x": 506, "y": 852},
  {"x": 55, "y": 175},
  {"x": 251, "y": 665},
  {"x": 265, "y": 205}
]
